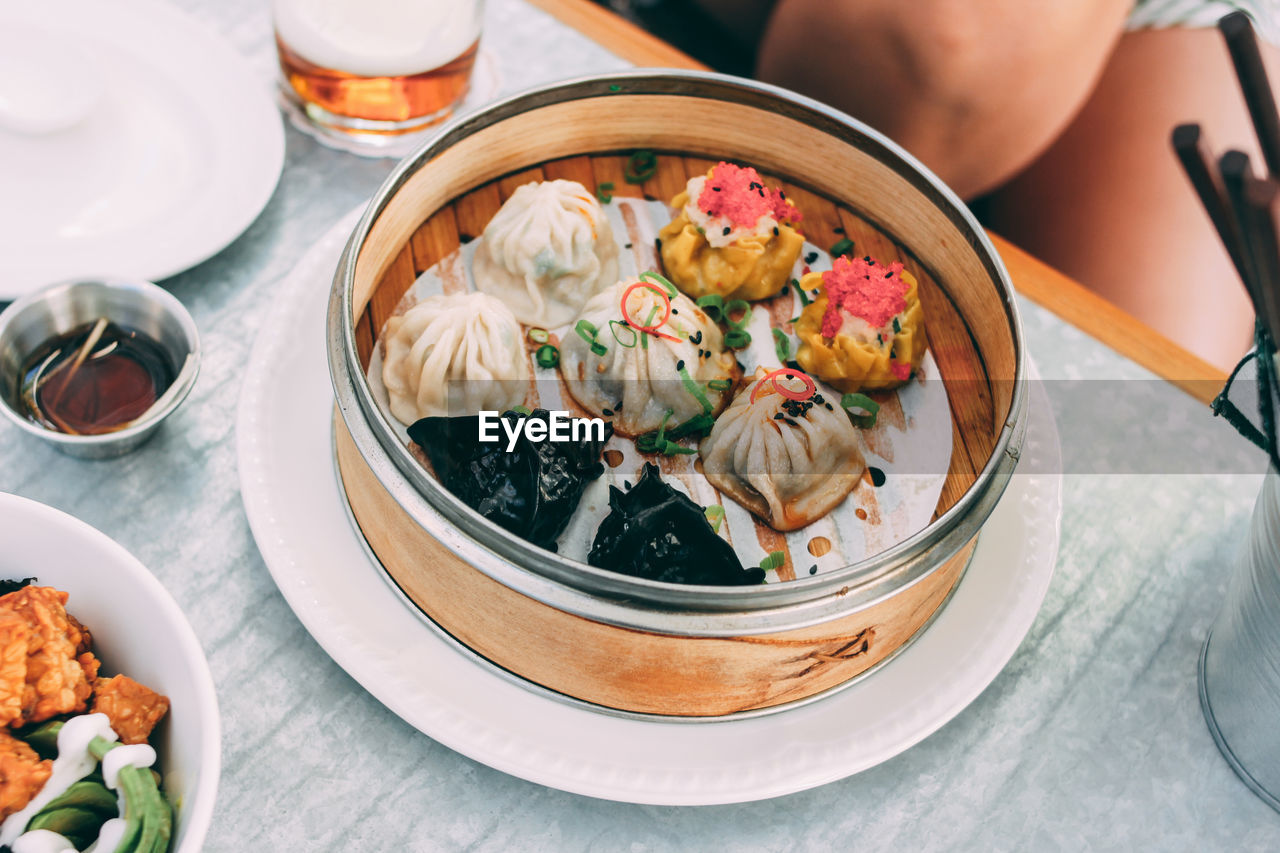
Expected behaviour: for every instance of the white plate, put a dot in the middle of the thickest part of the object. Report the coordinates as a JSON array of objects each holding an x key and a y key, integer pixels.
[
  {"x": 178, "y": 156},
  {"x": 298, "y": 518},
  {"x": 139, "y": 630}
]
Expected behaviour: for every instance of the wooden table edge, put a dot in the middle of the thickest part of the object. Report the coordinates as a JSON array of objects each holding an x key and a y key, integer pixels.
[{"x": 1034, "y": 279}]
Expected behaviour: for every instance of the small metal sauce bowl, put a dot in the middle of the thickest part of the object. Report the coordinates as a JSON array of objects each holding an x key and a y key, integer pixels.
[{"x": 60, "y": 308}]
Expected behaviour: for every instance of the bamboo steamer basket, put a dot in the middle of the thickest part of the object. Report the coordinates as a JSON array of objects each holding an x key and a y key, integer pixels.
[{"x": 640, "y": 647}]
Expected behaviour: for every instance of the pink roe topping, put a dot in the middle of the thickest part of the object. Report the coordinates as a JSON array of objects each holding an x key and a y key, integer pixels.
[
  {"x": 738, "y": 193},
  {"x": 863, "y": 288},
  {"x": 901, "y": 369}
]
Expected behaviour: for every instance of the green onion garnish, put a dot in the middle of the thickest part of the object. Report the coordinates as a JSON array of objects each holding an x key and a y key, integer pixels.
[
  {"x": 781, "y": 345},
  {"x": 524, "y": 410},
  {"x": 719, "y": 384},
  {"x": 715, "y": 516},
  {"x": 804, "y": 297},
  {"x": 897, "y": 327},
  {"x": 615, "y": 325},
  {"x": 641, "y": 166},
  {"x": 843, "y": 246},
  {"x": 589, "y": 333},
  {"x": 539, "y": 336},
  {"x": 604, "y": 192},
  {"x": 694, "y": 388},
  {"x": 773, "y": 561},
  {"x": 649, "y": 275},
  {"x": 644, "y": 340},
  {"x": 733, "y": 307},
  {"x": 653, "y": 311},
  {"x": 660, "y": 441},
  {"x": 861, "y": 401},
  {"x": 547, "y": 356},
  {"x": 737, "y": 339},
  {"x": 713, "y": 304}
]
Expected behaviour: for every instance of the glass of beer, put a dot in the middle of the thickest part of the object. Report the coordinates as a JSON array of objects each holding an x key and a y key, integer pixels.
[{"x": 377, "y": 69}]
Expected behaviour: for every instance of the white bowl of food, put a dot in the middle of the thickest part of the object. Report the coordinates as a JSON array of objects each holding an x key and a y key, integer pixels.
[{"x": 120, "y": 646}]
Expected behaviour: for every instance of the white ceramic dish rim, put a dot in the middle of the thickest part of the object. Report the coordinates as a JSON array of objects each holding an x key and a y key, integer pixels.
[
  {"x": 227, "y": 208},
  {"x": 520, "y": 732},
  {"x": 198, "y": 803}
]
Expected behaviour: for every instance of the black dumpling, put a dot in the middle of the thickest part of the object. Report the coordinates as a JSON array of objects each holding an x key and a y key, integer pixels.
[
  {"x": 655, "y": 532},
  {"x": 532, "y": 491}
]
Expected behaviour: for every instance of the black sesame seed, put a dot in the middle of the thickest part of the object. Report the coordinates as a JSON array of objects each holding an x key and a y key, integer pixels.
[
  {"x": 779, "y": 416},
  {"x": 648, "y": 197},
  {"x": 775, "y": 230},
  {"x": 785, "y": 290},
  {"x": 608, "y": 413},
  {"x": 628, "y": 246},
  {"x": 727, "y": 229},
  {"x": 465, "y": 238},
  {"x": 811, "y": 257},
  {"x": 889, "y": 274},
  {"x": 674, "y": 311},
  {"x": 866, "y": 258},
  {"x": 813, "y": 570},
  {"x": 680, "y": 364},
  {"x": 838, "y": 230}
]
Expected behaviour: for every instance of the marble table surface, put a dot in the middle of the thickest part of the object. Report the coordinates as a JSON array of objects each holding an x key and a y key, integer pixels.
[{"x": 1091, "y": 737}]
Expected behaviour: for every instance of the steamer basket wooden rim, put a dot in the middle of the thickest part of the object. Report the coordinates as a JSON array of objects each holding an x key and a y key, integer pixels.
[{"x": 856, "y": 164}]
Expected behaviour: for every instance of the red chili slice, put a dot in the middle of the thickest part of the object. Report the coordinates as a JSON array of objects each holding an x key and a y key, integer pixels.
[
  {"x": 666, "y": 303},
  {"x": 772, "y": 378}
]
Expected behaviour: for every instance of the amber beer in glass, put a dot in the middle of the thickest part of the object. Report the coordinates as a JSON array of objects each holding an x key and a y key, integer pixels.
[{"x": 377, "y": 68}]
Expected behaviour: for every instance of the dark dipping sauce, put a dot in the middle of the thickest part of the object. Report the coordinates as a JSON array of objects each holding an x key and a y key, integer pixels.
[{"x": 122, "y": 377}]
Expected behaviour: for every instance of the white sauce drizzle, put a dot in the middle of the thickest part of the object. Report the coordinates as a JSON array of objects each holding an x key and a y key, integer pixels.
[
  {"x": 713, "y": 226},
  {"x": 42, "y": 841},
  {"x": 132, "y": 755},
  {"x": 74, "y": 762},
  {"x": 109, "y": 837}
]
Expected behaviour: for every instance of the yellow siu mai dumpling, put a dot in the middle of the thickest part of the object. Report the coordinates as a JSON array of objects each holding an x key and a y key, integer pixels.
[
  {"x": 866, "y": 328},
  {"x": 731, "y": 235}
]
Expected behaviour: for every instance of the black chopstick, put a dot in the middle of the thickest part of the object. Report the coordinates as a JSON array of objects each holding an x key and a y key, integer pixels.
[
  {"x": 1192, "y": 150},
  {"x": 1242, "y": 42},
  {"x": 1246, "y": 194}
]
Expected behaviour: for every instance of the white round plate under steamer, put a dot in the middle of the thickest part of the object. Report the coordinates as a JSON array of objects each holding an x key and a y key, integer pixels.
[{"x": 297, "y": 513}]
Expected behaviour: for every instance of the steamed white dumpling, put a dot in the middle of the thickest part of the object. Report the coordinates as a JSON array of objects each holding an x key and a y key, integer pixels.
[
  {"x": 788, "y": 461},
  {"x": 454, "y": 354},
  {"x": 637, "y": 376},
  {"x": 546, "y": 252}
]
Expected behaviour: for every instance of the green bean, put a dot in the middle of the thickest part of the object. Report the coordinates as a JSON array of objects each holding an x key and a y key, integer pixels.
[{"x": 144, "y": 806}]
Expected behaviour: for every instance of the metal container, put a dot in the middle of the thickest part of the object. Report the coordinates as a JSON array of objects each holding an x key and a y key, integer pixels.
[
  {"x": 60, "y": 308},
  {"x": 396, "y": 499},
  {"x": 1240, "y": 661}
]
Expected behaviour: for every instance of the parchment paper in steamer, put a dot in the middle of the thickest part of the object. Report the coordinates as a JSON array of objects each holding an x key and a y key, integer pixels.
[{"x": 911, "y": 442}]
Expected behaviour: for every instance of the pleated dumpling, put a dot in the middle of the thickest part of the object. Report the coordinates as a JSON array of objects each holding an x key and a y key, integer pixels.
[
  {"x": 731, "y": 236},
  {"x": 453, "y": 355},
  {"x": 787, "y": 453},
  {"x": 644, "y": 355},
  {"x": 546, "y": 252},
  {"x": 866, "y": 328}
]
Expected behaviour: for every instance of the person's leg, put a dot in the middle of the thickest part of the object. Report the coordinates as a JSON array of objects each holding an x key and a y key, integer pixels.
[
  {"x": 1109, "y": 205},
  {"x": 975, "y": 90}
]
